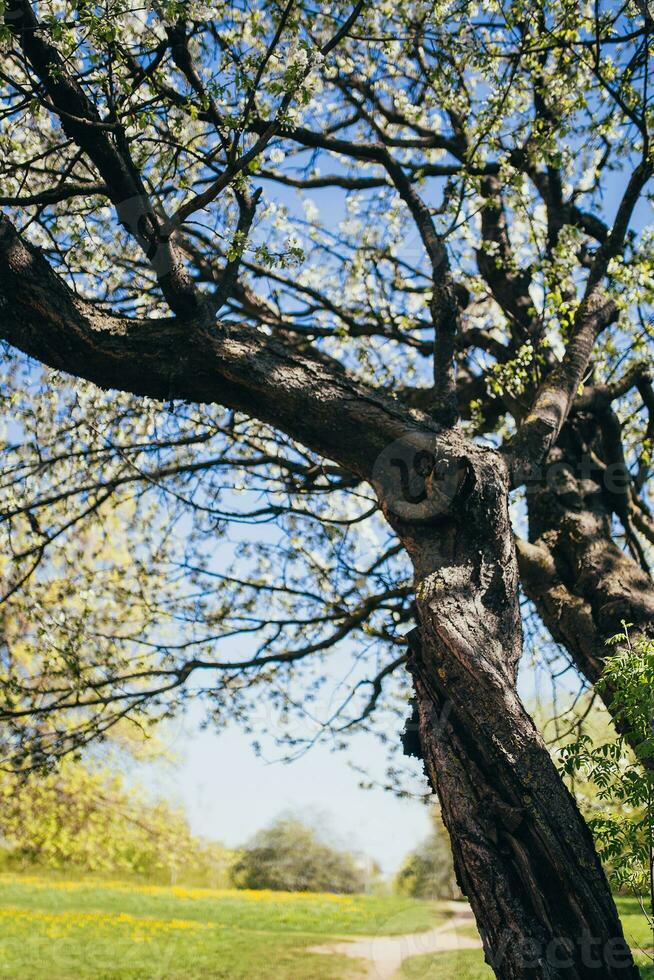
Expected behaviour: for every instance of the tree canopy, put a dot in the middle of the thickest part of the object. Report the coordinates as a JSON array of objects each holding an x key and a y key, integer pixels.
[
  {"x": 340, "y": 202},
  {"x": 90, "y": 819}
]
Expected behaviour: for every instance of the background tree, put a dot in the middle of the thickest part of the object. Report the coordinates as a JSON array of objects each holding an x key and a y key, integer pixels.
[
  {"x": 88, "y": 819},
  {"x": 454, "y": 308},
  {"x": 428, "y": 872},
  {"x": 289, "y": 856}
]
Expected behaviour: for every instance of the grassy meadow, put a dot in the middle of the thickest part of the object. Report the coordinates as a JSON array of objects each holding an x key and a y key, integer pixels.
[
  {"x": 82, "y": 929},
  {"x": 58, "y": 929}
]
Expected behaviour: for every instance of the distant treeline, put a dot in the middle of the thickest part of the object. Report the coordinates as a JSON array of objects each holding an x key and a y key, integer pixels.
[{"x": 88, "y": 820}]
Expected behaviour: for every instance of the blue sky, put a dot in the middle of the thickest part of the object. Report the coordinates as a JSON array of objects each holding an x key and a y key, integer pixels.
[{"x": 229, "y": 793}]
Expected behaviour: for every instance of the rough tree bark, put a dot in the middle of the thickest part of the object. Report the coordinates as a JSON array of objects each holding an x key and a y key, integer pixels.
[
  {"x": 523, "y": 855},
  {"x": 584, "y": 586}
]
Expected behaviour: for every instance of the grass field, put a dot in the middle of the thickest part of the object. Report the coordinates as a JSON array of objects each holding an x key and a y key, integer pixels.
[
  {"x": 60, "y": 930},
  {"x": 82, "y": 929}
]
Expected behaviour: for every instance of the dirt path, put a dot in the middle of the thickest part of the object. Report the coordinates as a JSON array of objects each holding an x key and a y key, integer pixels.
[{"x": 385, "y": 954}]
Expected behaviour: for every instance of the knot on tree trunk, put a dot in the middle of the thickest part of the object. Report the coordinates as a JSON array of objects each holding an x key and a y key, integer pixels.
[{"x": 419, "y": 476}]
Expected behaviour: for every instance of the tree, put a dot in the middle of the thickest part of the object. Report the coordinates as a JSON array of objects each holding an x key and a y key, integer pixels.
[
  {"x": 87, "y": 819},
  {"x": 428, "y": 872},
  {"x": 287, "y": 856},
  {"x": 467, "y": 317}
]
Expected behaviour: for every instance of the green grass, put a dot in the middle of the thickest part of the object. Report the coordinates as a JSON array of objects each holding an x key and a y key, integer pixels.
[
  {"x": 636, "y": 928},
  {"x": 87, "y": 929},
  {"x": 469, "y": 964},
  {"x": 90, "y": 929},
  {"x": 638, "y": 934}
]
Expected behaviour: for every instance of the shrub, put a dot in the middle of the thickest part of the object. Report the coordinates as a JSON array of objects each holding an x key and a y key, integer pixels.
[{"x": 288, "y": 856}]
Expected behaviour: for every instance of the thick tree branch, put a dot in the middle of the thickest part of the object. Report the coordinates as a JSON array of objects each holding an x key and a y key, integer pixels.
[
  {"x": 552, "y": 402},
  {"x": 233, "y": 366}
]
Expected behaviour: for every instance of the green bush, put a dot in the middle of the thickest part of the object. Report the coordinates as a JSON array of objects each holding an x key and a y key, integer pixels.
[{"x": 288, "y": 856}]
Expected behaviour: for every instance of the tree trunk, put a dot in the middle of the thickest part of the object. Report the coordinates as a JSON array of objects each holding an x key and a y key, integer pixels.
[{"x": 524, "y": 857}]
